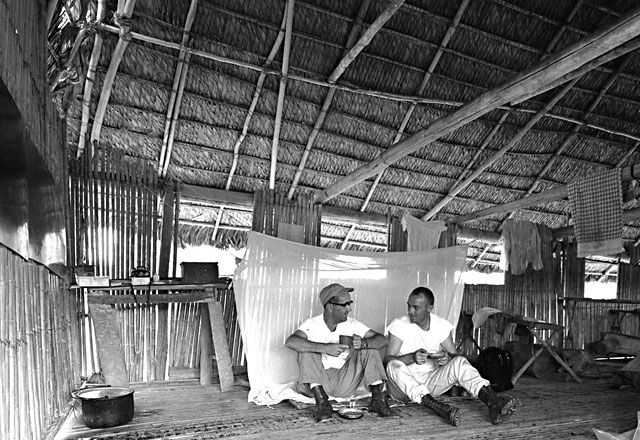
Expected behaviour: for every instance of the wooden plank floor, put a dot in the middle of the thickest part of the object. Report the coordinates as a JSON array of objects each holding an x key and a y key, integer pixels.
[{"x": 551, "y": 409}]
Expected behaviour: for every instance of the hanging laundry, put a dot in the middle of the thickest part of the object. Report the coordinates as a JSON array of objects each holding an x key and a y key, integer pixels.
[
  {"x": 421, "y": 235},
  {"x": 520, "y": 246},
  {"x": 596, "y": 204}
]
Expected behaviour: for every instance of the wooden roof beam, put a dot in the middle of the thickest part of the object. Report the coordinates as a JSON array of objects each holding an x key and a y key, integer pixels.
[
  {"x": 419, "y": 91},
  {"x": 569, "y": 231},
  {"x": 244, "y": 201},
  {"x": 175, "y": 100},
  {"x": 124, "y": 16},
  {"x": 353, "y": 51},
  {"x": 503, "y": 118},
  {"x": 552, "y": 68},
  {"x": 281, "y": 93}
]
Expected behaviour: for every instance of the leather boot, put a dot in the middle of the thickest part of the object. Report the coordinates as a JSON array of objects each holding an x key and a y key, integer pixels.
[
  {"x": 448, "y": 412},
  {"x": 325, "y": 410},
  {"x": 379, "y": 403},
  {"x": 500, "y": 406}
]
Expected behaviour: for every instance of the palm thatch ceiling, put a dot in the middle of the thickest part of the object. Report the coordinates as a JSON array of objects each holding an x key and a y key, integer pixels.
[{"x": 437, "y": 108}]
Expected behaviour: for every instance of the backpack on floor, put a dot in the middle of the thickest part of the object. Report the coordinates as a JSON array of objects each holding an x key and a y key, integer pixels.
[{"x": 496, "y": 365}]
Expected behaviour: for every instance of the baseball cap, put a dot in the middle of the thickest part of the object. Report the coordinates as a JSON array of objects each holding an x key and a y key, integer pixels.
[{"x": 331, "y": 291}]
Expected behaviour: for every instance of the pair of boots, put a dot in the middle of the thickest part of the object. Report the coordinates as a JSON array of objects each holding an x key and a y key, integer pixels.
[
  {"x": 500, "y": 407},
  {"x": 379, "y": 403}
]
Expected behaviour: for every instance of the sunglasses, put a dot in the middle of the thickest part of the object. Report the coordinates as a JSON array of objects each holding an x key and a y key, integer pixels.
[{"x": 344, "y": 304}]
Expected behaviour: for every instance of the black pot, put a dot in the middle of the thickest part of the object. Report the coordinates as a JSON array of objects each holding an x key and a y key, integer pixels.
[{"x": 106, "y": 407}]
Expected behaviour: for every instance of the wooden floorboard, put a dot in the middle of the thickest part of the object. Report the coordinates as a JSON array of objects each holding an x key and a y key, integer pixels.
[{"x": 550, "y": 410}]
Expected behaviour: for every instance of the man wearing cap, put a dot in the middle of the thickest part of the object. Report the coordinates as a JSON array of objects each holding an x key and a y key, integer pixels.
[{"x": 327, "y": 366}]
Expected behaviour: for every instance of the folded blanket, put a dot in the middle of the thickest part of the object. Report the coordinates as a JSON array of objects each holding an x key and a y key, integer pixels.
[{"x": 596, "y": 204}]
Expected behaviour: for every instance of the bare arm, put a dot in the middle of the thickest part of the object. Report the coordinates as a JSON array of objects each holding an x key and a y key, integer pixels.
[
  {"x": 419, "y": 356},
  {"x": 371, "y": 339},
  {"x": 299, "y": 342}
]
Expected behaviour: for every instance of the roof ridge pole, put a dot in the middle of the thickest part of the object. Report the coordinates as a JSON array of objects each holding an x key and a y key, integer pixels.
[
  {"x": 281, "y": 94},
  {"x": 123, "y": 17},
  {"x": 419, "y": 91},
  {"x": 91, "y": 74},
  {"x": 554, "y": 67},
  {"x": 354, "y": 50},
  {"x": 176, "y": 92}
]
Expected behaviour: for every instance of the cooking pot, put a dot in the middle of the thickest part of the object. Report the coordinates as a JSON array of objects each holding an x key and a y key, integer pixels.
[{"x": 106, "y": 407}]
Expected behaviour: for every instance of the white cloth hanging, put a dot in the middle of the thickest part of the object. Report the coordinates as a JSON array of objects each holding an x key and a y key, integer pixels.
[{"x": 421, "y": 235}]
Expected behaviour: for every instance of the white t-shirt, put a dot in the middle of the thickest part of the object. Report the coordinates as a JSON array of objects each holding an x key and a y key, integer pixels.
[
  {"x": 414, "y": 338},
  {"x": 317, "y": 331}
]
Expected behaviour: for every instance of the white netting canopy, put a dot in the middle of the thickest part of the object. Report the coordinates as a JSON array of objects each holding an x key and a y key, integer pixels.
[{"x": 277, "y": 284}]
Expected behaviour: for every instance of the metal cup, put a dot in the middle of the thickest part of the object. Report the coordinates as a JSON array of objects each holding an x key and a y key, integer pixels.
[{"x": 346, "y": 340}]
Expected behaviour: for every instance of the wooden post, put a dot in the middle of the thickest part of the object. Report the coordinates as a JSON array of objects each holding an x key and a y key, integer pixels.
[
  {"x": 221, "y": 346},
  {"x": 206, "y": 344},
  {"x": 109, "y": 346}
]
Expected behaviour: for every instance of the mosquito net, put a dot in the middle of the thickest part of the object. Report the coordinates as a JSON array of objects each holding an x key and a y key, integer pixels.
[{"x": 277, "y": 284}]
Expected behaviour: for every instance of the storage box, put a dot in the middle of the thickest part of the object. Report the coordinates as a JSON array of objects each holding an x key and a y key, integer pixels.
[{"x": 199, "y": 272}]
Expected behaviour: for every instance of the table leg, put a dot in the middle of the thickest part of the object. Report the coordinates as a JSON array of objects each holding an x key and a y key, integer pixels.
[
  {"x": 555, "y": 355},
  {"x": 527, "y": 364}
]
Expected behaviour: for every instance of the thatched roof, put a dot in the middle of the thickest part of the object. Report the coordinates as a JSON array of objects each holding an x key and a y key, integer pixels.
[{"x": 422, "y": 64}]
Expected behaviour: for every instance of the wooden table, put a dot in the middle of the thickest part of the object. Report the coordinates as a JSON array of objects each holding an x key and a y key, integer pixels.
[
  {"x": 110, "y": 351},
  {"x": 533, "y": 327}
]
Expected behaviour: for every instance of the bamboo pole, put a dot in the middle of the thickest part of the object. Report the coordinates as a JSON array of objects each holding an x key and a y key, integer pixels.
[
  {"x": 351, "y": 52},
  {"x": 254, "y": 100},
  {"x": 502, "y": 151},
  {"x": 90, "y": 78},
  {"x": 281, "y": 94},
  {"x": 176, "y": 91},
  {"x": 549, "y": 70},
  {"x": 125, "y": 13}
]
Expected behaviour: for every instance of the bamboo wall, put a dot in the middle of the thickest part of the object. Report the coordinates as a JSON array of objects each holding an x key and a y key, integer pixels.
[
  {"x": 23, "y": 56},
  {"x": 586, "y": 320},
  {"x": 114, "y": 226},
  {"x": 628, "y": 282},
  {"x": 38, "y": 359},
  {"x": 270, "y": 208},
  {"x": 534, "y": 294}
]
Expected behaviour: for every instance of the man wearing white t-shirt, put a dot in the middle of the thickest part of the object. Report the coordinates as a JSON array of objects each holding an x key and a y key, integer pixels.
[
  {"x": 422, "y": 362},
  {"x": 327, "y": 366}
]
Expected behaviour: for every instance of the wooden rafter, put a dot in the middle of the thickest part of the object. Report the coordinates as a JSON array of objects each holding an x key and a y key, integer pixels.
[
  {"x": 125, "y": 11},
  {"x": 281, "y": 94},
  {"x": 554, "y": 67},
  {"x": 419, "y": 91},
  {"x": 502, "y": 151},
  {"x": 247, "y": 120},
  {"x": 244, "y": 201},
  {"x": 254, "y": 101},
  {"x": 353, "y": 51},
  {"x": 90, "y": 78},
  {"x": 550, "y": 47},
  {"x": 355, "y": 90},
  {"x": 454, "y": 192},
  {"x": 179, "y": 79}
]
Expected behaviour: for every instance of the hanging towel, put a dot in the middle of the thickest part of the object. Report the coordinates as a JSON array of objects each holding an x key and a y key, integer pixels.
[
  {"x": 421, "y": 235},
  {"x": 520, "y": 246},
  {"x": 596, "y": 204}
]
